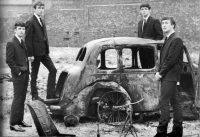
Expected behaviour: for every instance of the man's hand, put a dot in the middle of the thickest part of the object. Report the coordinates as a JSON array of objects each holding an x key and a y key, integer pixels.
[
  {"x": 158, "y": 76},
  {"x": 30, "y": 59},
  {"x": 19, "y": 73}
]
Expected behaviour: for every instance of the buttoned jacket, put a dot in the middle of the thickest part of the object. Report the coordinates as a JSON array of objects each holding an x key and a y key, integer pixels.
[
  {"x": 151, "y": 30},
  {"x": 17, "y": 57},
  {"x": 171, "y": 58}
]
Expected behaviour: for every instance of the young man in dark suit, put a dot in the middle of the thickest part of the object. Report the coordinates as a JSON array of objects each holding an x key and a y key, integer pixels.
[
  {"x": 149, "y": 28},
  {"x": 17, "y": 60},
  {"x": 171, "y": 59},
  {"x": 38, "y": 51}
]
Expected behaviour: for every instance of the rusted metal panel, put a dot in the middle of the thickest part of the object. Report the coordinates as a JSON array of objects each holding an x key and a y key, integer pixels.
[
  {"x": 143, "y": 86},
  {"x": 80, "y": 104}
]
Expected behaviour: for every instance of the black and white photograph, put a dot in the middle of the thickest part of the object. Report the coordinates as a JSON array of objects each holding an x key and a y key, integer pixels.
[{"x": 100, "y": 68}]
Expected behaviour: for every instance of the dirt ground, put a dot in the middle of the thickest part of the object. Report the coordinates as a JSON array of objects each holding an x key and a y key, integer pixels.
[{"x": 63, "y": 59}]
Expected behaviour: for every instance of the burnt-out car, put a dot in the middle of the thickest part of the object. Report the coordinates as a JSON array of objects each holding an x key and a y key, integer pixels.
[{"x": 108, "y": 72}]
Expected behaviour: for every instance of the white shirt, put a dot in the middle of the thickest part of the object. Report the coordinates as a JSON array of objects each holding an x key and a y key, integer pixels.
[
  {"x": 143, "y": 21},
  {"x": 18, "y": 38},
  {"x": 170, "y": 34},
  {"x": 38, "y": 18}
]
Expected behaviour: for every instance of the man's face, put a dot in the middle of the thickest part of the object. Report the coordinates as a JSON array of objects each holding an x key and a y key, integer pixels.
[
  {"x": 145, "y": 11},
  {"x": 20, "y": 31},
  {"x": 167, "y": 26},
  {"x": 39, "y": 10}
]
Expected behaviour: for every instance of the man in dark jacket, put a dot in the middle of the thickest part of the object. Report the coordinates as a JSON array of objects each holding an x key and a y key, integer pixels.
[
  {"x": 171, "y": 58},
  {"x": 38, "y": 50},
  {"x": 149, "y": 28},
  {"x": 17, "y": 60}
]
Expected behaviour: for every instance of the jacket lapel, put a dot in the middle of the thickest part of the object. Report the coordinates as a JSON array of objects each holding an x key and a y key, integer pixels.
[
  {"x": 16, "y": 41},
  {"x": 36, "y": 21},
  {"x": 148, "y": 22},
  {"x": 165, "y": 47}
]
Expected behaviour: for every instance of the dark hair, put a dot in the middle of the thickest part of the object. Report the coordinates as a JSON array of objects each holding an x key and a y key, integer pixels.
[
  {"x": 145, "y": 5},
  {"x": 19, "y": 24},
  {"x": 172, "y": 21},
  {"x": 38, "y": 3}
]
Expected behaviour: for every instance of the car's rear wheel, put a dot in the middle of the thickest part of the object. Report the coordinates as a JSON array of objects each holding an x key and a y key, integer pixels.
[{"x": 112, "y": 107}]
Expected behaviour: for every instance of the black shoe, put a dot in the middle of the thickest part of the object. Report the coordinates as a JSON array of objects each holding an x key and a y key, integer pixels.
[
  {"x": 162, "y": 130},
  {"x": 161, "y": 135},
  {"x": 23, "y": 124},
  {"x": 37, "y": 98},
  {"x": 16, "y": 128},
  {"x": 176, "y": 132}
]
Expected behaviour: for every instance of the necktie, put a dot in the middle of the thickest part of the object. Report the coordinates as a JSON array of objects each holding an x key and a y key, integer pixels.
[
  {"x": 22, "y": 43},
  {"x": 144, "y": 24},
  {"x": 41, "y": 23}
]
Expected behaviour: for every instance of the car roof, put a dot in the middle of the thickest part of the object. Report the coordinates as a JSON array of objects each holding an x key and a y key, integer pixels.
[
  {"x": 121, "y": 41},
  {"x": 95, "y": 45}
]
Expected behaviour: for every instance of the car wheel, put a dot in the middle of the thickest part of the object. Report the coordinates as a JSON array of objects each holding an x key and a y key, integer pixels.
[{"x": 112, "y": 107}]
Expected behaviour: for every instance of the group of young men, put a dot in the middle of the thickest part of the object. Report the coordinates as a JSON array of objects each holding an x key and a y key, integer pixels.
[{"x": 36, "y": 50}]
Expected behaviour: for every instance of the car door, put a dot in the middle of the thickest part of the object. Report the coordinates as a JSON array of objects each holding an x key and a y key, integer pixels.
[
  {"x": 197, "y": 96},
  {"x": 140, "y": 82},
  {"x": 187, "y": 79},
  {"x": 189, "y": 87},
  {"x": 108, "y": 64}
]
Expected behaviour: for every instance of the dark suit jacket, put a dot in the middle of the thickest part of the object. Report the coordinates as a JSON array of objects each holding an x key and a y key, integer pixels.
[
  {"x": 171, "y": 58},
  {"x": 17, "y": 57},
  {"x": 36, "y": 38},
  {"x": 152, "y": 29}
]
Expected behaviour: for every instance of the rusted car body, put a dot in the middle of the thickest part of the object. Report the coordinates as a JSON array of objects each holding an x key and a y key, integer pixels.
[{"x": 114, "y": 65}]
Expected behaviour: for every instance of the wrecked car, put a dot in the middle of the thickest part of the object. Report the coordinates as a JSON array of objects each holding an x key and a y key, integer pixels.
[{"x": 108, "y": 72}]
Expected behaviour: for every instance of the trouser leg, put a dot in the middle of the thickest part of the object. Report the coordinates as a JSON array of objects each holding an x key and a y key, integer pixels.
[
  {"x": 177, "y": 109},
  {"x": 46, "y": 60},
  {"x": 146, "y": 58},
  {"x": 17, "y": 108},
  {"x": 34, "y": 73},
  {"x": 167, "y": 89},
  {"x": 177, "y": 130},
  {"x": 26, "y": 77}
]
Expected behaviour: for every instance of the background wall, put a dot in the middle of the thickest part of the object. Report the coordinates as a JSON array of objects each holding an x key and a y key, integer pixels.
[{"x": 75, "y": 22}]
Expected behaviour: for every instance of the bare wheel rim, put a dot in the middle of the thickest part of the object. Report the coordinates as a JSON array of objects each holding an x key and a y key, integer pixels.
[{"x": 109, "y": 110}]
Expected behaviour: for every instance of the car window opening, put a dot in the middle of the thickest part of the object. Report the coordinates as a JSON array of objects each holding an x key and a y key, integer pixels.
[
  {"x": 107, "y": 59},
  {"x": 81, "y": 54},
  {"x": 140, "y": 57},
  {"x": 137, "y": 57}
]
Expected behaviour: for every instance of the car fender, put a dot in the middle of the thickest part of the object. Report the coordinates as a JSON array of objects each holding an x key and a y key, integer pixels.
[{"x": 79, "y": 105}]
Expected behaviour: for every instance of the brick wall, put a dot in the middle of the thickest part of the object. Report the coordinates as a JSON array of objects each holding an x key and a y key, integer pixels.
[{"x": 75, "y": 22}]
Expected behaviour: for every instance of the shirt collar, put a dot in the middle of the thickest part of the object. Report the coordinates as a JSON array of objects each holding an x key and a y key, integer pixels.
[
  {"x": 168, "y": 35},
  {"x": 18, "y": 38},
  {"x": 37, "y": 16},
  {"x": 146, "y": 18}
]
